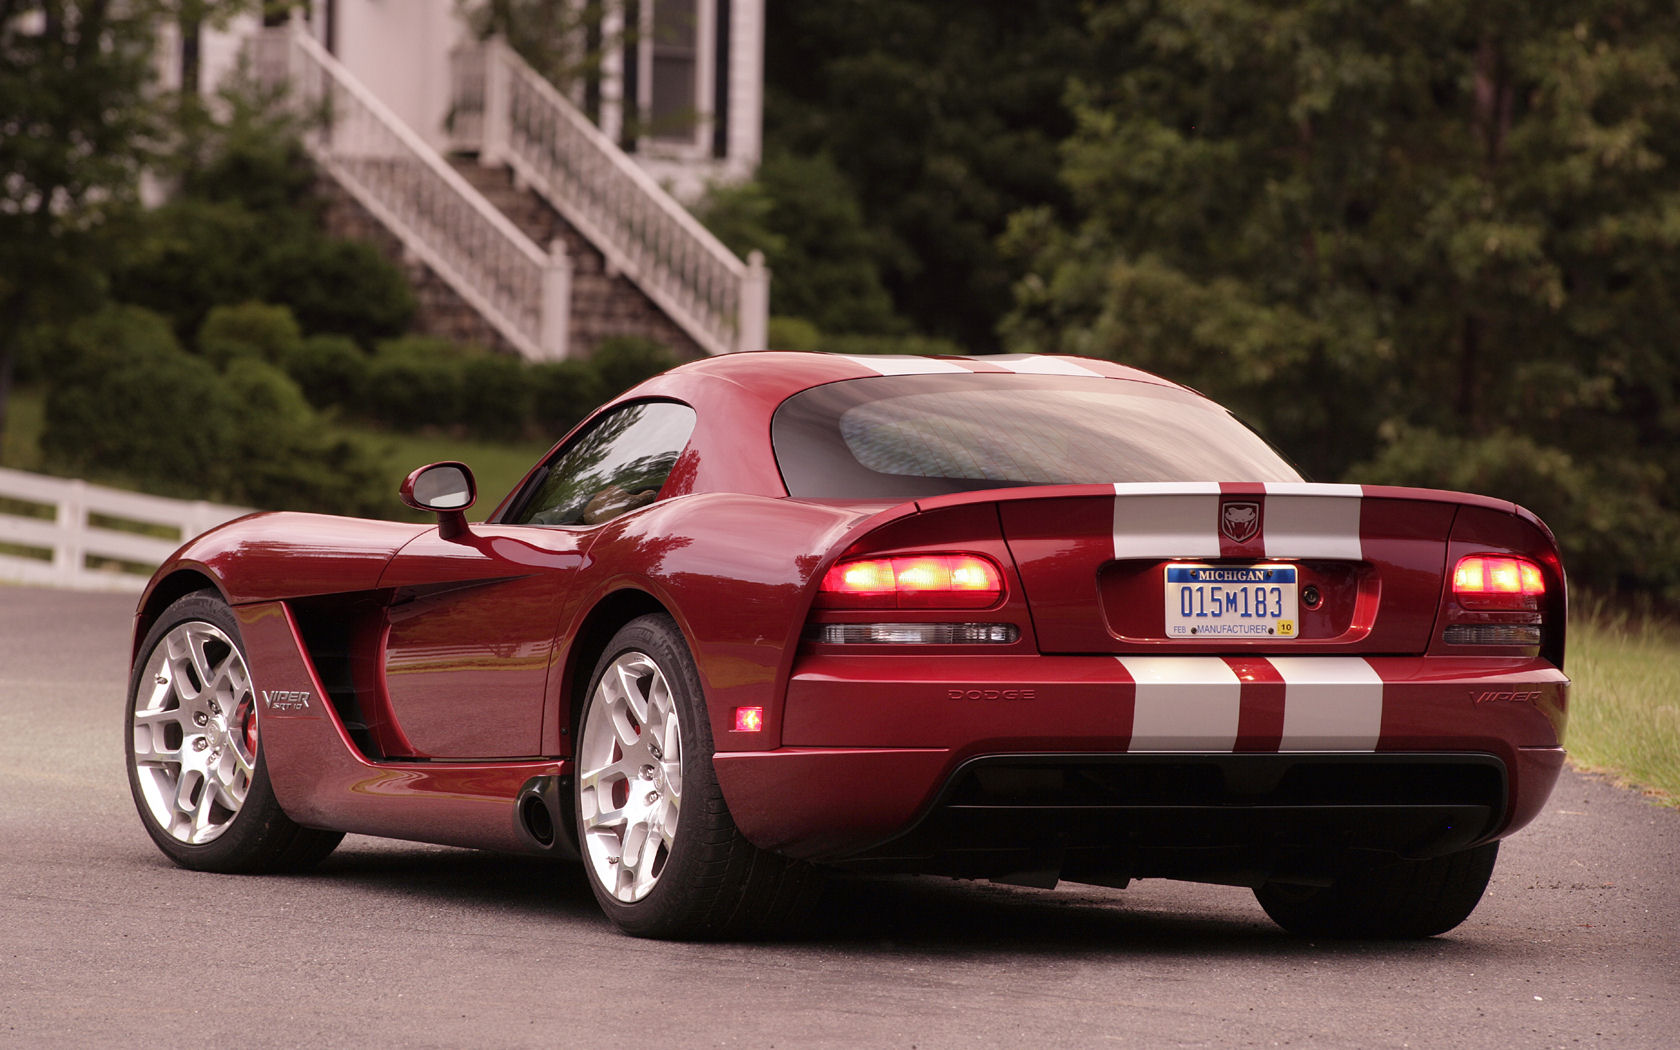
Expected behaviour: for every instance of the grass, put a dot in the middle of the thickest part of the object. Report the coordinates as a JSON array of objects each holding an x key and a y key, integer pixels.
[
  {"x": 25, "y": 411},
  {"x": 1624, "y": 710},
  {"x": 497, "y": 466}
]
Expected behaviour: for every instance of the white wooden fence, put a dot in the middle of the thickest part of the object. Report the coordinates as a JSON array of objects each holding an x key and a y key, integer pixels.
[{"x": 58, "y": 532}]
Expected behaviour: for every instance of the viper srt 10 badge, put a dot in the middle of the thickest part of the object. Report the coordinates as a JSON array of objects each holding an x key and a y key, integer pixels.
[{"x": 285, "y": 700}]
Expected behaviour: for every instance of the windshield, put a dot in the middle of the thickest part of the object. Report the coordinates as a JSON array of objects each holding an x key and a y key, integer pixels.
[{"x": 910, "y": 436}]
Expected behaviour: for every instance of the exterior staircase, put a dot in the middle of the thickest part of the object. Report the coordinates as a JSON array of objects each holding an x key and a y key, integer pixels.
[
  {"x": 545, "y": 240},
  {"x": 604, "y": 304}
]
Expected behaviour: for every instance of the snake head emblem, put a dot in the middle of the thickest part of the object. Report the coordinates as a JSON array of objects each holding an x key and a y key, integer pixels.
[{"x": 1239, "y": 521}]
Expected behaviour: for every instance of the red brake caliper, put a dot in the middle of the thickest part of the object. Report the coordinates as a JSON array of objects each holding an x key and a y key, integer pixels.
[{"x": 249, "y": 712}]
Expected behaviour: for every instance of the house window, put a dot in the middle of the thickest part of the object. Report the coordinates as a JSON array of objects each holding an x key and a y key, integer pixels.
[{"x": 675, "y": 45}]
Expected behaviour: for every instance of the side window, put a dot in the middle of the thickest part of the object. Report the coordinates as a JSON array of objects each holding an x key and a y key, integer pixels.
[{"x": 619, "y": 464}]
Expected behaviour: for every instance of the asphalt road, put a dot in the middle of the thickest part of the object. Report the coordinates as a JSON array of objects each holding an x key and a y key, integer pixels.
[{"x": 103, "y": 942}]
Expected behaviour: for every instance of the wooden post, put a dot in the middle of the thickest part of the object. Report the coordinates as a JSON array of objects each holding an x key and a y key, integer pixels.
[
  {"x": 753, "y": 332},
  {"x": 494, "y": 149},
  {"x": 556, "y": 301}
]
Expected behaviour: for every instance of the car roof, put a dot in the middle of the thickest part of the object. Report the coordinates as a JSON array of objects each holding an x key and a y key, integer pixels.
[
  {"x": 776, "y": 374},
  {"x": 736, "y": 396}
]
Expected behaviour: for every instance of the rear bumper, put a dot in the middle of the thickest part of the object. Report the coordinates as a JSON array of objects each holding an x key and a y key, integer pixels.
[{"x": 984, "y": 766}]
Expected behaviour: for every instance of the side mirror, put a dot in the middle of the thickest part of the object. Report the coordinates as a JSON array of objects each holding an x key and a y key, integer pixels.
[{"x": 446, "y": 489}]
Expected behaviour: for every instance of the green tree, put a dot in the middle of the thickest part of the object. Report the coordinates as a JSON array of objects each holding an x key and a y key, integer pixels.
[
  {"x": 943, "y": 122},
  {"x": 1382, "y": 226},
  {"x": 802, "y": 213},
  {"x": 246, "y": 224},
  {"x": 79, "y": 118},
  {"x": 74, "y": 132}
]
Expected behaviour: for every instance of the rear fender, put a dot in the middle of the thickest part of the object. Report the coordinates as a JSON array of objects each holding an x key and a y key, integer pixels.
[{"x": 739, "y": 590}]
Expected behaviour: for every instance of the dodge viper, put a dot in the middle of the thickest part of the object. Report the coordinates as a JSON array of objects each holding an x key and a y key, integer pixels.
[{"x": 770, "y": 616}]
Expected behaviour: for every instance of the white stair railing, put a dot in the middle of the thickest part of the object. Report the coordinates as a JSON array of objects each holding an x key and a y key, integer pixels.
[
  {"x": 523, "y": 121},
  {"x": 523, "y": 291}
]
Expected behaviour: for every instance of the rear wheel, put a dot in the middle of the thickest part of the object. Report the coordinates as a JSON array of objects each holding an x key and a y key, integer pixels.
[
  {"x": 663, "y": 855},
  {"x": 1410, "y": 898},
  {"x": 194, "y": 750}
]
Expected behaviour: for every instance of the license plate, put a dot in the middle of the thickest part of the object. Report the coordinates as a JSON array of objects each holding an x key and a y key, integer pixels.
[{"x": 1231, "y": 601}]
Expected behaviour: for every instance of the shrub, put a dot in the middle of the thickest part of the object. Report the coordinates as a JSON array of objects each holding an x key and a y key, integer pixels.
[
  {"x": 246, "y": 226},
  {"x": 331, "y": 370},
  {"x": 414, "y": 381},
  {"x": 337, "y": 286},
  {"x": 126, "y": 400},
  {"x": 186, "y": 257},
  {"x": 562, "y": 394},
  {"x": 627, "y": 360},
  {"x": 889, "y": 344},
  {"x": 268, "y": 398},
  {"x": 250, "y": 330},
  {"x": 793, "y": 333},
  {"x": 283, "y": 458},
  {"x": 127, "y": 404},
  {"x": 496, "y": 396}
]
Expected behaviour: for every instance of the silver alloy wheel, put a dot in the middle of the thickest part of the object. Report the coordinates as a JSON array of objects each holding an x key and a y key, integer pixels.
[
  {"x": 195, "y": 732},
  {"x": 630, "y": 764}
]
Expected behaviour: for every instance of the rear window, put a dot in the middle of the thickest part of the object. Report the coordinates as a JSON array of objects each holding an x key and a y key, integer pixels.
[{"x": 902, "y": 437}]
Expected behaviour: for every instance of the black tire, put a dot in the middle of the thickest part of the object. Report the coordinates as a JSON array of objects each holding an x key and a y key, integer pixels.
[
  {"x": 704, "y": 880},
  {"x": 199, "y": 779},
  {"x": 1407, "y": 899}
]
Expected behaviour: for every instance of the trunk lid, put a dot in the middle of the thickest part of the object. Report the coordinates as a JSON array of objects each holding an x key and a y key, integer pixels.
[{"x": 1365, "y": 565}]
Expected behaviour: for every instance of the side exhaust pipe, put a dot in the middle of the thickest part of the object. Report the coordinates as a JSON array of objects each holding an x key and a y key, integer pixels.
[{"x": 541, "y": 819}]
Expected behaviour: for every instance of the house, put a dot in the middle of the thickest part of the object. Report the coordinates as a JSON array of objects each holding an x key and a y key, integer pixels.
[{"x": 542, "y": 219}]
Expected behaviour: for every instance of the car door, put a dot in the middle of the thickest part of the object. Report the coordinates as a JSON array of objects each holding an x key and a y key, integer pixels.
[{"x": 469, "y": 641}]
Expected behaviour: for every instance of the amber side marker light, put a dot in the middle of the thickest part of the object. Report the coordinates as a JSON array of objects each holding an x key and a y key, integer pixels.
[
  {"x": 937, "y": 581},
  {"x": 1497, "y": 583}
]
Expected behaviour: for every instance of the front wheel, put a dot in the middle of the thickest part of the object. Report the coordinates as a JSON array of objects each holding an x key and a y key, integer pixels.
[
  {"x": 194, "y": 749},
  {"x": 1406, "y": 899},
  {"x": 663, "y": 854}
]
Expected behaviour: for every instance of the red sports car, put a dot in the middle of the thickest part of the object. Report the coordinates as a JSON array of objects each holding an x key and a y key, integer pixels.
[{"x": 769, "y": 615}]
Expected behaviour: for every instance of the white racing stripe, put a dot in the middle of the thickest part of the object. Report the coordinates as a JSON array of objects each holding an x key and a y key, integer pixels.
[
  {"x": 1330, "y": 703},
  {"x": 1181, "y": 520},
  {"x": 1184, "y": 703},
  {"x": 1175, "y": 520},
  {"x": 1040, "y": 365},
  {"x": 1313, "y": 521},
  {"x": 903, "y": 365}
]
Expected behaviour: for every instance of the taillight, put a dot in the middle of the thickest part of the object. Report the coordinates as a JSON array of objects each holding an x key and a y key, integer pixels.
[
  {"x": 1497, "y": 581},
  {"x": 920, "y": 581},
  {"x": 1497, "y": 598}
]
